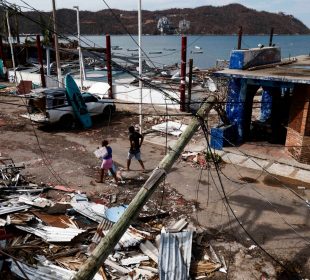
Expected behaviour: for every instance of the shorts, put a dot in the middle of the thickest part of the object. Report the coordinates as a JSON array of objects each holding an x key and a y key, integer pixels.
[
  {"x": 136, "y": 155},
  {"x": 107, "y": 163}
]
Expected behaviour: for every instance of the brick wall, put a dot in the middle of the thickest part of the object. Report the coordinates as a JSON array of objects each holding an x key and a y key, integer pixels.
[{"x": 298, "y": 132}]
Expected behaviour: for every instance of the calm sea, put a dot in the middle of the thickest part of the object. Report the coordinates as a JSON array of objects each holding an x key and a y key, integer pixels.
[{"x": 204, "y": 50}]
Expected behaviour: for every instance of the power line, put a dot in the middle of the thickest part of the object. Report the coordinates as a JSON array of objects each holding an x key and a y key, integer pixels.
[{"x": 205, "y": 131}]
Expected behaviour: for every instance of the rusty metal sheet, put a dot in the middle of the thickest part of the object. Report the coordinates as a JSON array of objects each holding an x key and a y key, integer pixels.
[{"x": 61, "y": 221}]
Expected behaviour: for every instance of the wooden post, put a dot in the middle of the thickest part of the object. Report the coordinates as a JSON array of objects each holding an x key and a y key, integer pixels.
[
  {"x": 107, "y": 244},
  {"x": 271, "y": 36},
  {"x": 108, "y": 62},
  {"x": 183, "y": 74},
  {"x": 190, "y": 79},
  {"x": 239, "y": 38},
  {"x": 40, "y": 60}
]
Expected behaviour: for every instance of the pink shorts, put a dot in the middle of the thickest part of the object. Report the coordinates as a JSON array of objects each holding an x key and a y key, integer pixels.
[{"x": 107, "y": 163}]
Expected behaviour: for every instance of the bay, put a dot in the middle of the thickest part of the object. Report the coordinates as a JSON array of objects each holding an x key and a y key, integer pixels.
[{"x": 204, "y": 49}]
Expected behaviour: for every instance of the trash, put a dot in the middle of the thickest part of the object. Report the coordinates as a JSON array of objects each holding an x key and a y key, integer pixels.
[
  {"x": 252, "y": 247},
  {"x": 170, "y": 127}
]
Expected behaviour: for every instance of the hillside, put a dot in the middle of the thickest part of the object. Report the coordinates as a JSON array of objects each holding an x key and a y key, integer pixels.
[{"x": 203, "y": 20}]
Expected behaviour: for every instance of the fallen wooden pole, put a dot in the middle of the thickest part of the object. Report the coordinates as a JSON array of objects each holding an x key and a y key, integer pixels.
[{"x": 107, "y": 244}]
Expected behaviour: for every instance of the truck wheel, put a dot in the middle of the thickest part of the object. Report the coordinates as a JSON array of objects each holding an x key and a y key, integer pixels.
[
  {"x": 66, "y": 121},
  {"x": 108, "y": 111}
]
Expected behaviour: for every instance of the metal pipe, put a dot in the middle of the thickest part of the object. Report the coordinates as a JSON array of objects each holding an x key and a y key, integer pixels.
[
  {"x": 2, "y": 56},
  {"x": 40, "y": 60},
  {"x": 48, "y": 61},
  {"x": 56, "y": 46},
  {"x": 239, "y": 38},
  {"x": 79, "y": 43},
  {"x": 183, "y": 74},
  {"x": 11, "y": 45},
  {"x": 140, "y": 63},
  {"x": 108, "y": 62},
  {"x": 271, "y": 37}
]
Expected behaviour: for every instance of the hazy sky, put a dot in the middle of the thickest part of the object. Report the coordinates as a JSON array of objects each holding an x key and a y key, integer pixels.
[{"x": 298, "y": 8}]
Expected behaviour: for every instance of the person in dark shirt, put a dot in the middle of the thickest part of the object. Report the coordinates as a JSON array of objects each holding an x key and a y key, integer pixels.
[
  {"x": 136, "y": 140},
  {"x": 107, "y": 162}
]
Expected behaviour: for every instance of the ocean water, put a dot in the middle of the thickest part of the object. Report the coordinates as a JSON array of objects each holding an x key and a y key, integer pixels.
[{"x": 204, "y": 50}]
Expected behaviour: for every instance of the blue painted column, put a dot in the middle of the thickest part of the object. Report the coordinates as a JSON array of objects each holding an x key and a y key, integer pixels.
[
  {"x": 266, "y": 105},
  {"x": 236, "y": 98}
]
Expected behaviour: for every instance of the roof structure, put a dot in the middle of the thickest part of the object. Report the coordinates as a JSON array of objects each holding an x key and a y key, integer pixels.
[{"x": 295, "y": 71}]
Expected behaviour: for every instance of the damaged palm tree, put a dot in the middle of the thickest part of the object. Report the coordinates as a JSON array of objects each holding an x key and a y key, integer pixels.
[{"x": 107, "y": 244}]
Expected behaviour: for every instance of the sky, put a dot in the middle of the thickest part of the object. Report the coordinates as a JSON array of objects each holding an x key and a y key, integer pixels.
[{"x": 298, "y": 8}]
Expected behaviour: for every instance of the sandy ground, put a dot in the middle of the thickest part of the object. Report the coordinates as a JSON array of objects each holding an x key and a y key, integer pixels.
[{"x": 271, "y": 213}]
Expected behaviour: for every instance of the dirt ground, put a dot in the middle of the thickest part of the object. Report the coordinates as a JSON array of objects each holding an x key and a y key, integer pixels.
[{"x": 270, "y": 213}]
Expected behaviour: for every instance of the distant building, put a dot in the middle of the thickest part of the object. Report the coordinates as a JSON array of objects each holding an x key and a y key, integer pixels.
[
  {"x": 184, "y": 25},
  {"x": 164, "y": 26}
]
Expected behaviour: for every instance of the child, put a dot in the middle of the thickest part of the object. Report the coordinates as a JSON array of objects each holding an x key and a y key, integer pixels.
[{"x": 107, "y": 162}]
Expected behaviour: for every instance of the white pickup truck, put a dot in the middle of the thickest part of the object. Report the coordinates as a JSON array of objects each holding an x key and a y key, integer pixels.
[{"x": 50, "y": 106}]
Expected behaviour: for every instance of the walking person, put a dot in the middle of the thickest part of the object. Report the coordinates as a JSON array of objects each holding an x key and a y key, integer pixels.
[
  {"x": 107, "y": 163},
  {"x": 136, "y": 140}
]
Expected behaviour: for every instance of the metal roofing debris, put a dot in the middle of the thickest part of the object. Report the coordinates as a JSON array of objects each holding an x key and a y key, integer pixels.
[
  {"x": 130, "y": 238},
  {"x": 170, "y": 127},
  {"x": 178, "y": 226},
  {"x": 150, "y": 250},
  {"x": 122, "y": 270},
  {"x": 175, "y": 255},
  {"x": 134, "y": 260},
  {"x": 61, "y": 221},
  {"x": 114, "y": 213},
  {"x": 103, "y": 226},
  {"x": 53, "y": 234},
  {"x": 35, "y": 201},
  {"x": 11, "y": 209},
  {"x": 45, "y": 272},
  {"x": 89, "y": 210}
]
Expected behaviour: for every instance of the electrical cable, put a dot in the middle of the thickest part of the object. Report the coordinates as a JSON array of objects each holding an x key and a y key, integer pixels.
[{"x": 203, "y": 125}]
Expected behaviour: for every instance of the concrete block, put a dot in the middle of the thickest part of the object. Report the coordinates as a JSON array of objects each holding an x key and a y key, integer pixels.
[
  {"x": 303, "y": 175},
  {"x": 244, "y": 59},
  {"x": 249, "y": 163}
]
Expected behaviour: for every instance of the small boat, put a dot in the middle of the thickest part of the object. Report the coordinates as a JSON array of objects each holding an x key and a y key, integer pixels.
[
  {"x": 132, "y": 50},
  {"x": 155, "y": 52},
  {"x": 169, "y": 50},
  {"x": 116, "y": 48},
  {"x": 198, "y": 48},
  {"x": 196, "y": 52}
]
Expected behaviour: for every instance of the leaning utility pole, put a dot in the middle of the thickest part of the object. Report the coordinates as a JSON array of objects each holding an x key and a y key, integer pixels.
[
  {"x": 107, "y": 244},
  {"x": 56, "y": 46}
]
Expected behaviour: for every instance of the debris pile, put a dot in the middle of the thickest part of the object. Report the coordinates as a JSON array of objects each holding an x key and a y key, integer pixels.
[{"x": 49, "y": 232}]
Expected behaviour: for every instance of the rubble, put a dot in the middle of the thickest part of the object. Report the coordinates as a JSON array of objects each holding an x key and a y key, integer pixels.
[{"x": 48, "y": 234}]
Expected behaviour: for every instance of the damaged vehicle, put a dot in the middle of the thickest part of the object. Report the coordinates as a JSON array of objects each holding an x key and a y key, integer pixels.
[{"x": 51, "y": 106}]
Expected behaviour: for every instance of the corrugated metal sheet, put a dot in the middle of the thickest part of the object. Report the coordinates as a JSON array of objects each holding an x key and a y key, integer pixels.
[
  {"x": 11, "y": 209},
  {"x": 53, "y": 234},
  {"x": 89, "y": 210},
  {"x": 175, "y": 255},
  {"x": 103, "y": 226},
  {"x": 45, "y": 272}
]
